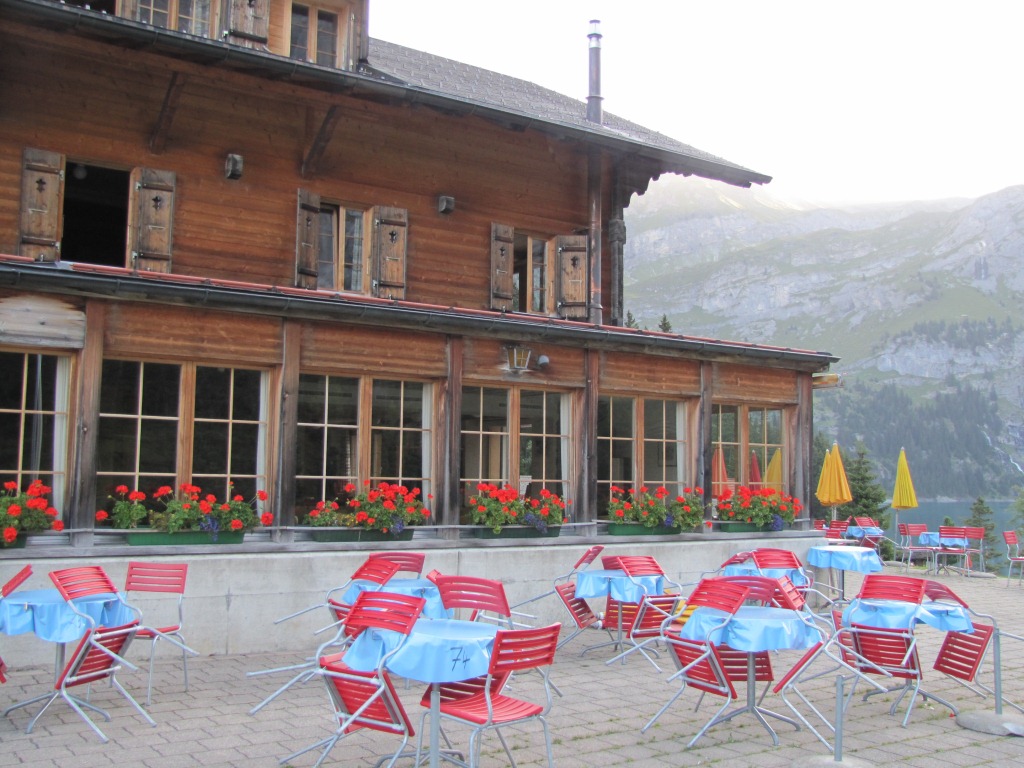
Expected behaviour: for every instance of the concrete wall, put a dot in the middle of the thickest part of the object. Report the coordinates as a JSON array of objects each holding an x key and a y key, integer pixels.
[{"x": 231, "y": 601}]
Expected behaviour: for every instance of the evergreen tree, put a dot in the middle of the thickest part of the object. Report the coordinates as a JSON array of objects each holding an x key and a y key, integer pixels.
[
  {"x": 664, "y": 325},
  {"x": 983, "y": 517},
  {"x": 869, "y": 498},
  {"x": 631, "y": 321}
]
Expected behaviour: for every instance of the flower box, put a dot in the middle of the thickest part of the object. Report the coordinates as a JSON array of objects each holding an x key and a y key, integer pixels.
[
  {"x": 516, "y": 532},
  {"x": 358, "y": 534},
  {"x": 637, "y": 529},
  {"x": 142, "y": 537},
  {"x": 19, "y": 541},
  {"x": 734, "y": 527}
]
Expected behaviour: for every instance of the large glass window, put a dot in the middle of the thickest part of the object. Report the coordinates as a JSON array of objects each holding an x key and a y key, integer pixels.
[
  {"x": 189, "y": 16},
  {"x": 530, "y": 274},
  {"x": 400, "y": 434},
  {"x": 34, "y": 420},
  {"x": 543, "y": 442},
  {"x": 315, "y": 35},
  {"x": 485, "y": 434},
  {"x": 143, "y": 423},
  {"x": 749, "y": 447},
  {"x": 327, "y": 449},
  {"x": 615, "y": 447},
  {"x": 664, "y": 442},
  {"x": 137, "y": 443}
]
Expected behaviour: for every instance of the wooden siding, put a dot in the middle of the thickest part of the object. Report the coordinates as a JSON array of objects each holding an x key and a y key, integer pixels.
[
  {"x": 41, "y": 321},
  {"x": 136, "y": 331},
  {"x": 744, "y": 383},
  {"x": 372, "y": 351},
  {"x": 648, "y": 374},
  {"x": 486, "y": 361}
]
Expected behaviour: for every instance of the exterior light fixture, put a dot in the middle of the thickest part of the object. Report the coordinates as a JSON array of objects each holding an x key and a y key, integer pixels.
[
  {"x": 445, "y": 204},
  {"x": 827, "y": 381},
  {"x": 519, "y": 358}
]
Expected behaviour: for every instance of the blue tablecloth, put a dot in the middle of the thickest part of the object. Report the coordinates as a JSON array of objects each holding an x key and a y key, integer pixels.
[
  {"x": 753, "y": 628},
  {"x": 45, "y": 613},
  {"x": 932, "y": 539},
  {"x": 425, "y": 588},
  {"x": 895, "y": 614},
  {"x": 436, "y": 651},
  {"x": 845, "y": 558},
  {"x": 796, "y": 575},
  {"x": 590, "y": 584},
  {"x": 856, "y": 532}
]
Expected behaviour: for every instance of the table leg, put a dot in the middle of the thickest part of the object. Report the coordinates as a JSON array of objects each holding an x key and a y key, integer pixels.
[
  {"x": 752, "y": 706},
  {"x": 435, "y": 725}
]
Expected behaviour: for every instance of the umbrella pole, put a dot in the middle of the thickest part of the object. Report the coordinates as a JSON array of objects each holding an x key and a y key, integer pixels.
[{"x": 833, "y": 513}]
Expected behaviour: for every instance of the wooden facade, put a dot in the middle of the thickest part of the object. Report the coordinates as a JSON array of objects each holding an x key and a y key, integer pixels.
[{"x": 280, "y": 229}]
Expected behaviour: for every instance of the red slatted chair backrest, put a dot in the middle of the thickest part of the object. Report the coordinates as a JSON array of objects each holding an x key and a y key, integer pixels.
[
  {"x": 885, "y": 587},
  {"x": 88, "y": 663},
  {"x": 719, "y": 594},
  {"x": 519, "y": 649},
  {"x": 582, "y": 615},
  {"x": 383, "y": 610},
  {"x": 473, "y": 593},
  {"x": 408, "y": 562},
  {"x": 761, "y": 588},
  {"x": 891, "y": 649},
  {"x": 156, "y": 577},
  {"x": 82, "y": 581},
  {"x": 16, "y": 581},
  {"x": 640, "y": 565},
  {"x": 588, "y": 557},
  {"x": 916, "y": 529},
  {"x": 376, "y": 569},
  {"x": 961, "y": 652}
]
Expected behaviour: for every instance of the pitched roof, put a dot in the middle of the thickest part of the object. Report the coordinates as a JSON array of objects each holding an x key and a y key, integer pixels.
[{"x": 474, "y": 85}]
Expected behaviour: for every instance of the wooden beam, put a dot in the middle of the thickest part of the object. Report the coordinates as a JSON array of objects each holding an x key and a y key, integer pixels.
[
  {"x": 320, "y": 141},
  {"x": 158, "y": 139}
]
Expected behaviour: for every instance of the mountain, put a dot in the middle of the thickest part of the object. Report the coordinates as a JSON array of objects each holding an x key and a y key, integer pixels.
[{"x": 922, "y": 301}]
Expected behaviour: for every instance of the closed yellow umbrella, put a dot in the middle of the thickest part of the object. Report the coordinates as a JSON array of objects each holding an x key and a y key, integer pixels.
[
  {"x": 773, "y": 472},
  {"x": 833, "y": 487},
  {"x": 903, "y": 496}
]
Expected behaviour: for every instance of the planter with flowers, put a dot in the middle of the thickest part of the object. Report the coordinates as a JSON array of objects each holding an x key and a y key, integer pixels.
[
  {"x": 641, "y": 511},
  {"x": 190, "y": 516},
  {"x": 387, "y": 512},
  {"x": 501, "y": 512},
  {"x": 25, "y": 512},
  {"x": 756, "y": 509}
]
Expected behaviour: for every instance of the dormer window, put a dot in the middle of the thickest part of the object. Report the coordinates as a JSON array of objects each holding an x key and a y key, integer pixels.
[
  {"x": 189, "y": 16},
  {"x": 315, "y": 35}
]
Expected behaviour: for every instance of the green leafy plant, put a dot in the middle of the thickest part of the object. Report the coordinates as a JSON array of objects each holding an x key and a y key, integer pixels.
[
  {"x": 128, "y": 510},
  {"x": 656, "y": 508},
  {"x": 387, "y": 507},
  {"x": 764, "y": 507},
  {"x": 496, "y": 507},
  {"x": 26, "y": 511},
  {"x": 190, "y": 510}
]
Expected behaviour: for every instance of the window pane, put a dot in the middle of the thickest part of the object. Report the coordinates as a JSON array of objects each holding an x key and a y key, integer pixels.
[
  {"x": 194, "y": 17},
  {"x": 312, "y": 393},
  {"x": 328, "y": 246},
  {"x": 210, "y": 449},
  {"x": 213, "y": 393},
  {"x": 119, "y": 389},
  {"x": 300, "y": 33},
  {"x": 353, "y": 250},
  {"x": 326, "y": 39},
  {"x": 244, "y": 437},
  {"x": 539, "y": 275},
  {"x": 158, "y": 441},
  {"x": 326, "y": 451},
  {"x": 160, "y": 390},
  {"x": 387, "y": 403},
  {"x": 342, "y": 400}
]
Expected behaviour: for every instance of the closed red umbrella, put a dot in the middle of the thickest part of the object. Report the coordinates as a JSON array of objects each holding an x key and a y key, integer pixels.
[
  {"x": 755, "y": 471},
  {"x": 720, "y": 480}
]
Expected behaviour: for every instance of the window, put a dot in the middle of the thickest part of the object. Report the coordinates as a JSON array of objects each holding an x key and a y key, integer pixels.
[
  {"x": 142, "y": 424},
  {"x": 94, "y": 214},
  {"x": 315, "y": 35},
  {"x": 189, "y": 16},
  {"x": 538, "y": 459},
  {"x": 664, "y": 444},
  {"x": 615, "y": 447},
  {"x": 397, "y": 421},
  {"x": 538, "y": 275},
  {"x": 530, "y": 275},
  {"x": 348, "y": 249},
  {"x": 341, "y": 249},
  {"x": 34, "y": 420},
  {"x": 750, "y": 440}
]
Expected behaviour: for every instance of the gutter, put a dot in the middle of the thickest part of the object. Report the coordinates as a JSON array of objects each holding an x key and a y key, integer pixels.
[{"x": 85, "y": 280}]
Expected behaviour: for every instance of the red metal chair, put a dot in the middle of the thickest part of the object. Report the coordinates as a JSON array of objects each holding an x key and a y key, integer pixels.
[
  {"x": 879, "y": 586},
  {"x": 375, "y": 570},
  {"x": 515, "y": 650},
  {"x": 15, "y": 581},
  {"x": 962, "y": 653},
  {"x": 165, "y": 579},
  {"x": 87, "y": 581},
  {"x": 583, "y": 617},
  {"x": 975, "y": 536},
  {"x": 1013, "y": 557},
  {"x": 908, "y": 546},
  {"x": 484, "y": 598},
  {"x": 3, "y": 671},
  {"x": 582, "y": 564},
  {"x": 408, "y": 562},
  {"x": 367, "y": 700},
  {"x": 611, "y": 562},
  {"x": 946, "y": 551},
  {"x": 648, "y": 624},
  {"x": 867, "y": 540},
  {"x": 99, "y": 656},
  {"x": 699, "y": 662},
  {"x": 819, "y": 524}
]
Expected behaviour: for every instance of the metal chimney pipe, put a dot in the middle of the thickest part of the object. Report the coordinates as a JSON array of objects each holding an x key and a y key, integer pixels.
[{"x": 594, "y": 110}]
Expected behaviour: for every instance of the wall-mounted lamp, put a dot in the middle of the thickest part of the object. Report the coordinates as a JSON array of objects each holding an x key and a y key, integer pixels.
[
  {"x": 445, "y": 204},
  {"x": 827, "y": 381},
  {"x": 543, "y": 361},
  {"x": 519, "y": 358},
  {"x": 233, "y": 166}
]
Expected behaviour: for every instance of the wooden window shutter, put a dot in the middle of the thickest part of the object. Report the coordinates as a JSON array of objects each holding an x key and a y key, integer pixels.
[
  {"x": 247, "y": 23},
  {"x": 502, "y": 264},
  {"x": 572, "y": 276},
  {"x": 307, "y": 240},
  {"x": 42, "y": 204},
  {"x": 388, "y": 251},
  {"x": 151, "y": 219}
]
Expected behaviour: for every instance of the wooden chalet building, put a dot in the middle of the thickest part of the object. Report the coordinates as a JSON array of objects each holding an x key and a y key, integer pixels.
[{"x": 242, "y": 242}]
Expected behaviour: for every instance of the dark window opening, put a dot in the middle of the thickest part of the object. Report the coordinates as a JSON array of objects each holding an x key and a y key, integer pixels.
[
  {"x": 95, "y": 215},
  {"x": 100, "y": 6}
]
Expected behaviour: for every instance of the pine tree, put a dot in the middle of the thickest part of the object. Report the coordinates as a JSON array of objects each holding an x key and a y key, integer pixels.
[
  {"x": 664, "y": 325},
  {"x": 869, "y": 498},
  {"x": 631, "y": 321},
  {"x": 983, "y": 517}
]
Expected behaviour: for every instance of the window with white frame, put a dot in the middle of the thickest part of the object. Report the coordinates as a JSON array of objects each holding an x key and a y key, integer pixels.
[
  {"x": 327, "y": 447},
  {"x": 34, "y": 420},
  {"x": 401, "y": 416},
  {"x": 664, "y": 444},
  {"x": 317, "y": 35},
  {"x": 189, "y": 16},
  {"x": 749, "y": 444},
  {"x": 616, "y": 447},
  {"x": 342, "y": 260}
]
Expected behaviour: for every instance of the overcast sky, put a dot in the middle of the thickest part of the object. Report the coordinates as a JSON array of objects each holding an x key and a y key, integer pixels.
[{"x": 839, "y": 101}]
